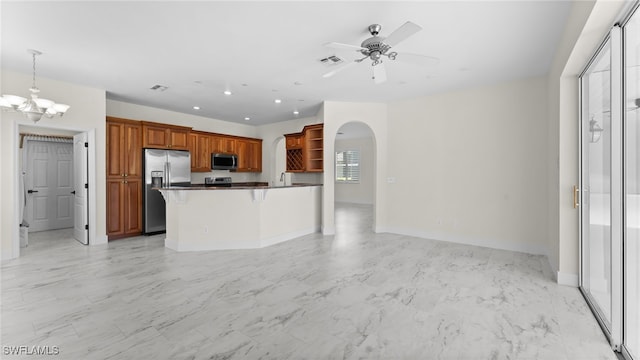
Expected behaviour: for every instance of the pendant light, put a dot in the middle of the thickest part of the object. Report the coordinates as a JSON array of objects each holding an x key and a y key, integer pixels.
[{"x": 35, "y": 107}]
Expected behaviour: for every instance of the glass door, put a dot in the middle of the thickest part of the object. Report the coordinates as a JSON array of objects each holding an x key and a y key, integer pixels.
[
  {"x": 631, "y": 342},
  {"x": 600, "y": 187}
]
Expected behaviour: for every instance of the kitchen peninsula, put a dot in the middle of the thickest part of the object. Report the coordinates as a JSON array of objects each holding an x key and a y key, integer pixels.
[{"x": 240, "y": 217}]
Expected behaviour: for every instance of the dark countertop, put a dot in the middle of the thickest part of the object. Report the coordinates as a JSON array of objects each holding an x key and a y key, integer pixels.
[{"x": 235, "y": 186}]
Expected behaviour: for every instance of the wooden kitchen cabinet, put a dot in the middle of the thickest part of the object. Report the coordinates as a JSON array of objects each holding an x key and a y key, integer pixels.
[
  {"x": 314, "y": 148},
  {"x": 223, "y": 144},
  {"x": 124, "y": 208},
  {"x": 163, "y": 136},
  {"x": 124, "y": 178},
  {"x": 249, "y": 153},
  {"x": 305, "y": 150},
  {"x": 124, "y": 149},
  {"x": 200, "y": 149}
]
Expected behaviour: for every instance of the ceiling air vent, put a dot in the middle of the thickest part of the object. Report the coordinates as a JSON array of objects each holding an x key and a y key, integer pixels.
[
  {"x": 159, "y": 87},
  {"x": 331, "y": 60}
]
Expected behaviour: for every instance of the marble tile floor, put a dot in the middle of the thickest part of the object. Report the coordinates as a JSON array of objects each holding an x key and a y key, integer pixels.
[{"x": 355, "y": 295}]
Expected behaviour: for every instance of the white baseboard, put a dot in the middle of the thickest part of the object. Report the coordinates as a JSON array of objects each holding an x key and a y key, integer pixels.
[
  {"x": 328, "y": 230},
  {"x": 567, "y": 279},
  {"x": 535, "y": 249},
  {"x": 99, "y": 240}
]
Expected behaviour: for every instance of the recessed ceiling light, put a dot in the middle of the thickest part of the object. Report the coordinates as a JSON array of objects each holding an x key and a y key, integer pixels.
[
  {"x": 277, "y": 101},
  {"x": 247, "y": 118},
  {"x": 296, "y": 112},
  {"x": 196, "y": 108},
  {"x": 227, "y": 92}
]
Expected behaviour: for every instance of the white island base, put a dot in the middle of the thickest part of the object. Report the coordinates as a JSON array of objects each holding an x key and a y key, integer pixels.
[{"x": 239, "y": 218}]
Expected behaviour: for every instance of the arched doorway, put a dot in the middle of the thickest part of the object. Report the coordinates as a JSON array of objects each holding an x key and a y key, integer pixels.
[{"x": 354, "y": 189}]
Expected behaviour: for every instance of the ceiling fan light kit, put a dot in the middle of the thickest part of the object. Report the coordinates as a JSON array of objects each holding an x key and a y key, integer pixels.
[
  {"x": 35, "y": 107},
  {"x": 376, "y": 47}
]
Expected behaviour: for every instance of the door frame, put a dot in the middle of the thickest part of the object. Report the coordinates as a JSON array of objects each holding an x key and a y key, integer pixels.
[
  {"x": 91, "y": 138},
  {"x": 615, "y": 331}
]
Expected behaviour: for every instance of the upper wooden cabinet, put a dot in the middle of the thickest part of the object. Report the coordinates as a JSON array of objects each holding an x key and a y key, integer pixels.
[
  {"x": 163, "y": 136},
  {"x": 305, "y": 150},
  {"x": 314, "y": 148},
  {"x": 124, "y": 149},
  {"x": 223, "y": 144},
  {"x": 249, "y": 153},
  {"x": 200, "y": 149}
]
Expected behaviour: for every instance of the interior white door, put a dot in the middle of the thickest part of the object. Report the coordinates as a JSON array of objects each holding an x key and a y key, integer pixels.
[
  {"x": 49, "y": 185},
  {"x": 81, "y": 192}
]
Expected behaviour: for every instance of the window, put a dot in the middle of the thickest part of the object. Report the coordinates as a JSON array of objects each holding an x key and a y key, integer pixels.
[{"x": 348, "y": 166}]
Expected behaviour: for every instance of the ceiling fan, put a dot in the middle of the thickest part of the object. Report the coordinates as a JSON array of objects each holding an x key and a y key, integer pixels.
[{"x": 377, "y": 47}]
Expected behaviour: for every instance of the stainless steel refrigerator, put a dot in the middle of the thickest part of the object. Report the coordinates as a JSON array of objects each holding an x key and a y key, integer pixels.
[{"x": 164, "y": 168}]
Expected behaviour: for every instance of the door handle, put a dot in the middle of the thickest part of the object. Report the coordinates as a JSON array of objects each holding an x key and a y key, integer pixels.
[
  {"x": 576, "y": 195},
  {"x": 31, "y": 191},
  {"x": 73, "y": 192}
]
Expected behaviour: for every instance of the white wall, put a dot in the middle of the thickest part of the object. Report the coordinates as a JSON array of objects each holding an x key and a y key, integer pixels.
[
  {"x": 470, "y": 166},
  {"x": 86, "y": 114},
  {"x": 361, "y": 192},
  {"x": 335, "y": 114}
]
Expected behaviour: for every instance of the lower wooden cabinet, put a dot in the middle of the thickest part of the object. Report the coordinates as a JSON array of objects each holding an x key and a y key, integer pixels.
[{"x": 124, "y": 202}]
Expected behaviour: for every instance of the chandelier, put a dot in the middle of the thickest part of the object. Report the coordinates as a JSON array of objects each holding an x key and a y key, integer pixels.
[{"x": 35, "y": 107}]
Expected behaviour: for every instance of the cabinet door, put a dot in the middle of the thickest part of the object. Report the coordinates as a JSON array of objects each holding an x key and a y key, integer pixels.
[
  {"x": 115, "y": 208},
  {"x": 255, "y": 156},
  {"x": 132, "y": 199},
  {"x": 223, "y": 144},
  {"x": 204, "y": 152},
  {"x": 115, "y": 149},
  {"x": 133, "y": 150},
  {"x": 179, "y": 139},
  {"x": 156, "y": 137},
  {"x": 294, "y": 141},
  {"x": 243, "y": 154},
  {"x": 193, "y": 150}
]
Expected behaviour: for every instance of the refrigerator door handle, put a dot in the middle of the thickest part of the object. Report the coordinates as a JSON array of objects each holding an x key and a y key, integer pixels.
[
  {"x": 165, "y": 176},
  {"x": 169, "y": 173}
]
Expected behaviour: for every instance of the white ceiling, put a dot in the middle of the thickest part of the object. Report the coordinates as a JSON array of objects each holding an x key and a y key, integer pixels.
[{"x": 259, "y": 50}]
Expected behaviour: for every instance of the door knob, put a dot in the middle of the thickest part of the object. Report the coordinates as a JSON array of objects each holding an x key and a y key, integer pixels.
[{"x": 73, "y": 192}]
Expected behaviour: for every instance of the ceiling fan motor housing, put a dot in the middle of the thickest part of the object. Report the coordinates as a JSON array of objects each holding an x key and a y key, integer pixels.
[{"x": 375, "y": 47}]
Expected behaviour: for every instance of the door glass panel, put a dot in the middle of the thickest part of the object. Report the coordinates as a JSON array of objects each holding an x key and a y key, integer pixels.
[
  {"x": 596, "y": 167},
  {"x": 632, "y": 186}
]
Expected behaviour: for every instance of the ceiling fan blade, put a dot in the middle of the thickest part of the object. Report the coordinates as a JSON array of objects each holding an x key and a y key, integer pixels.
[
  {"x": 339, "y": 69},
  {"x": 417, "y": 59},
  {"x": 335, "y": 45},
  {"x": 379, "y": 73},
  {"x": 401, "y": 33}
]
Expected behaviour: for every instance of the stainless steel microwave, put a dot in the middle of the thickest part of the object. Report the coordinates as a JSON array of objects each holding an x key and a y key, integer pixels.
[{"x": 224, "y": 161}]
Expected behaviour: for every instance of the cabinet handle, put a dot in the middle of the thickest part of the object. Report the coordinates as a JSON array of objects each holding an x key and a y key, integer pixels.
[
  {"x": 122, "y": 182},
  {"x": 122, "y": 175},
  {"x": 126, "y": 182},
  {"x": 575, "y": 196},
  {"x": 125, "y": 175}
]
